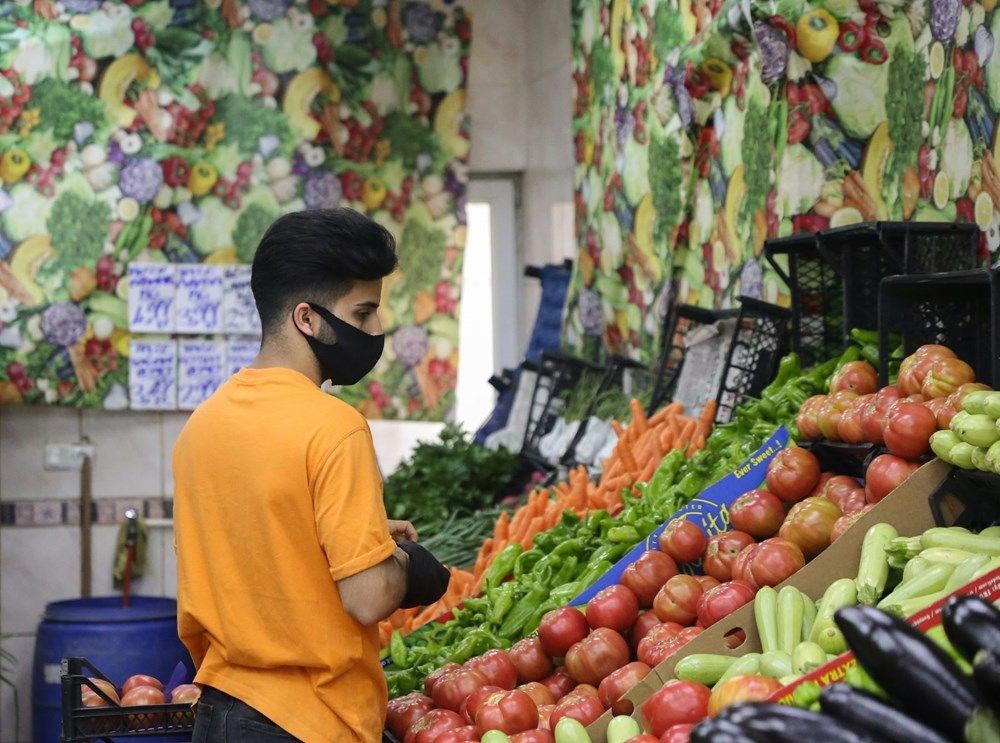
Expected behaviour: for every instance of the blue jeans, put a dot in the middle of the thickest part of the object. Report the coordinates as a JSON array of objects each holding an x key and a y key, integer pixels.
[{"x": 224, "y": 719}]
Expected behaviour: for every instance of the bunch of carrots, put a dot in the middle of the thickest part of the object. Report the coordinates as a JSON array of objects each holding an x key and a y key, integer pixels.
[{"x": 642, "y": 445}]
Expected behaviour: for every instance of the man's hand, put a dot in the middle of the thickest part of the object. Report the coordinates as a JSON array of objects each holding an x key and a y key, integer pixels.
[{"x": 402, "y": 531}]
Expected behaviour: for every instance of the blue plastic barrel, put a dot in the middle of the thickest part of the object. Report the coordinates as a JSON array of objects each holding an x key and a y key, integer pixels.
[{"x": 118, "y": 641}]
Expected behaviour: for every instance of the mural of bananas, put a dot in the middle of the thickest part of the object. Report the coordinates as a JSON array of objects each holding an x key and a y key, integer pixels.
[
  {"x": 177, "y": 130},
  {"x": 703, "y": 127}
]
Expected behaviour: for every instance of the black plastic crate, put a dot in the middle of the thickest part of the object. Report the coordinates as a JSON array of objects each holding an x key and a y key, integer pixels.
[
  {"x": 629, "y": 375},
  {"x": 679, "y": 322},
  {"x": 172, "y": 721},
  {"x": 558, "y": 373},
  {"x": 759, "y": 340},
  {"x": 967, "y": 498},
  {"x": 834, "y": 275},
  {"x": 960, "y": 310}
]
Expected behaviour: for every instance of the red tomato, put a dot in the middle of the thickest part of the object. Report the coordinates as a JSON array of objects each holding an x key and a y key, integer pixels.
[
  {"x": 619, "y": 683},
  {"x": 533, "y": 736},
  {"x": 677, "y": 601},
  {"x": 809, "y": 524},
  {"x": 676, "y": 703},
  {"x": 139, "y": 696},
  {"x": 945, "y": 376},
  {"x": 839, "y": 489},
  {"x": 824, "y": 478},
  {"x": 538, "y": 692},
  {"x": 792, "y": 474},
  {"x": 544, "y": 713},
  {"x": 829, "y": 413},
  {"x": 646, "y": 576},
  {"x": 559, "y": 683},
  {"x": 584, "y": 690},
  {"x": 507, "y": 711},
  {"x": 653, "y": 651},
  {"x": 855, "y": 376},
  {"x": 914, "y": 368},
  {"x": 722, "y": 551},
  {"x": 707, "y": 581},
  {"x": 585, "y": 709},
  {"x": 845, "y": 522},
  {"x": 908, "y": 428},
  {"x": 742, "y": 564},
  {"x": 647, "y": 621},
  {"x": 455, "y": 687},
  {"x": 404, "y": 711},
  {"x": 665, "y": 631},
  {"x": 92, "y": 699},
  {"x": 186, "y": 694},
  {"x": 474, "y": 701},
  {"x": 957, "y": 398},
  {"x": 561, "y": 629},
  {"x": 458, "y": 735},
  {"x": 593, "y": 659},
  {"x": 140, "y": 680},
  {"x": 806, "y": 421},
  {"x": 741, "y": 689},
  {"x": 530, "y": 660},
  {"x": 873, "y": 414},
  {"x": 683, "y": 540},
  {"x": 759, "y": 513},
  {"x": 722, "y": 601},
  {"x": 689, "y": 633},
  {"x": 497, "y": 667},
  {"x": 849, "y": 426},
  {"x": 434, "y": 723},
  {"x": 678, "y": 734},
  {"x": 615, "y": 607},
  {"x": 884, "y": 475},
  {"x": 943, "y": 409},
  {"x": 431, "y": 681},
  {"x": 774, "y": 560}
]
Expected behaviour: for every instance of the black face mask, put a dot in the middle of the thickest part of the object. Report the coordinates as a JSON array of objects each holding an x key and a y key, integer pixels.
[{"x": 354, "y": 354}]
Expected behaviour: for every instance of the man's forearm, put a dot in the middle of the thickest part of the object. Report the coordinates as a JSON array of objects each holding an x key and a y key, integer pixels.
[{"x": 376, "y": 593}]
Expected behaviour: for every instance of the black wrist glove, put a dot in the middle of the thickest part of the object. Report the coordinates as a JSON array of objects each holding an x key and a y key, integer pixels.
[{"x": 426, "y": 578}]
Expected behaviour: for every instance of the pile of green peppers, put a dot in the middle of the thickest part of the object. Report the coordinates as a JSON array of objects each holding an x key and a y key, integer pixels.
[{"x": 521, "y": 586}]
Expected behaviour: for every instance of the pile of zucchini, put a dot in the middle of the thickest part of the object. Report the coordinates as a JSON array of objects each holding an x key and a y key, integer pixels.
[{"x": 918, "y": 691}]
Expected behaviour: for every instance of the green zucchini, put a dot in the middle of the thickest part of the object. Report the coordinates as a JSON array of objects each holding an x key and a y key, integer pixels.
[
  {"x": 789, "y": 619},
  {"x": 807, "y": 656},
  {"x": 748, "y": 665},
  {"x": 929, "y": 581},
  {"x": 765, "y": 611},
  {"x": 775, "y": 664},
  {"x": 808, "y": 616},
  {"x": 705, "y": 668},
  {"x": 946, "y": 537},
  {"x": 825, "y": 633},
  {"x": 913, "y": 568},
  {"x": 873, "y": 570}
]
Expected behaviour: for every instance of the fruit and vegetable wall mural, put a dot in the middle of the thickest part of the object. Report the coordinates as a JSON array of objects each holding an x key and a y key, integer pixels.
[
  {"x": 176, "y": 131},
  {"x": 703, "y": 127}
]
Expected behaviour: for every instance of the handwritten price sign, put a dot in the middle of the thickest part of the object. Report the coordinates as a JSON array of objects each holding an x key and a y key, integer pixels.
[
  {"x": 152, "y": 375},
  {"x": 151, "y": 295},
  {"x": 200, "y": 292},
  {"x": 201, "y": 368}
]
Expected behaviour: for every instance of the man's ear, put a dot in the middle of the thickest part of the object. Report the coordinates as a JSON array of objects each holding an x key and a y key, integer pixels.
[{"x": 304, "y": 319}]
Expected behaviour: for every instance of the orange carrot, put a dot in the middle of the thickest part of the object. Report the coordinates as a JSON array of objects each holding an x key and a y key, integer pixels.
[
  {"x": 707, "y": 417},
  {"x": 639, "y": 420},
  {"x": 502, "y": 525}
]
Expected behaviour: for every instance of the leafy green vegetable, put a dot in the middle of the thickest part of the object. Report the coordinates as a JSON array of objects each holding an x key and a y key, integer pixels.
[
  {"x": 177, "y": 53},
  {"x": 860, "y": 102},
  {"x": 78, "y": 227},
  {"x": 904, "y": 105},
  {"x": 408, "y": 137},
  {"x": 250, "y": 228},
  {"x": 421, "y": 255},
  {"x": 665, "y": 185},
  {"x": 449, "y": 476},
  {"x": 246, "y": 121},
  {"x": 668, "y": 30},
  {"x": 63, "y": 106},
  {"x": 756, "y": 161}
]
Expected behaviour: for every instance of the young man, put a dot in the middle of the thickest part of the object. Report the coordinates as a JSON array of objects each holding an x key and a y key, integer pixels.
[{"x": 285, "y": 559}]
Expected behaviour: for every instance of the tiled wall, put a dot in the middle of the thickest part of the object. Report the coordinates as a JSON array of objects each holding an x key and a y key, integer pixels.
[{"x": 520, "y": 104}]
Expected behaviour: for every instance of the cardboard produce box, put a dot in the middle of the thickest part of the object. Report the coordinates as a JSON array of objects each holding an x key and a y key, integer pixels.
[{"x": 908, "y": 508}]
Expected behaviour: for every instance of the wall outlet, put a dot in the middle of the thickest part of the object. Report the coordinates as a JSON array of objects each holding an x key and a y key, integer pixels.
[{"x": 67, "y": 456}]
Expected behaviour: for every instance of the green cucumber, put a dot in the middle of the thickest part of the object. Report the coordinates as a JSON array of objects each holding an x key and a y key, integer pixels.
[
  {"x": 765, "y": 611},
  {"x": 705, "y": 668},
  {"x": 775, "y": 664},
  {"x": 873, "y": 569}
]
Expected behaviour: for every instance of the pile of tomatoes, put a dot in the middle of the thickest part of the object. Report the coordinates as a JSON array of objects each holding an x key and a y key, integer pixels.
[{"x": 139, "y": 690}]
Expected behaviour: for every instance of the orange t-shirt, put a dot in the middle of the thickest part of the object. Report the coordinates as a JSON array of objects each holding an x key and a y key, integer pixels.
[{"x": 277, "y": 496}]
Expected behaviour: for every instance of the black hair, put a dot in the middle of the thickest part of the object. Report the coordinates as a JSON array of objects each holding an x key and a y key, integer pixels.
[{"x": 317, "y": 255}]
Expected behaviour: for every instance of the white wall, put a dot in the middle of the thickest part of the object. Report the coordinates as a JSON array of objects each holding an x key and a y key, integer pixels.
[{"x": 520, "y": 103}]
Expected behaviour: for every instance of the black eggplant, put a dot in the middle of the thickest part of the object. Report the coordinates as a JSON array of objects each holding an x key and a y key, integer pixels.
[
  {"x": 971, "y": 625},
  {"x": 778, "y": 723},
  {"x": 986, "y": 672},
  {"x": 718, "y": 730},
  {"x": 868, "y": 712},
  {"x": 913, "y": 671}
]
